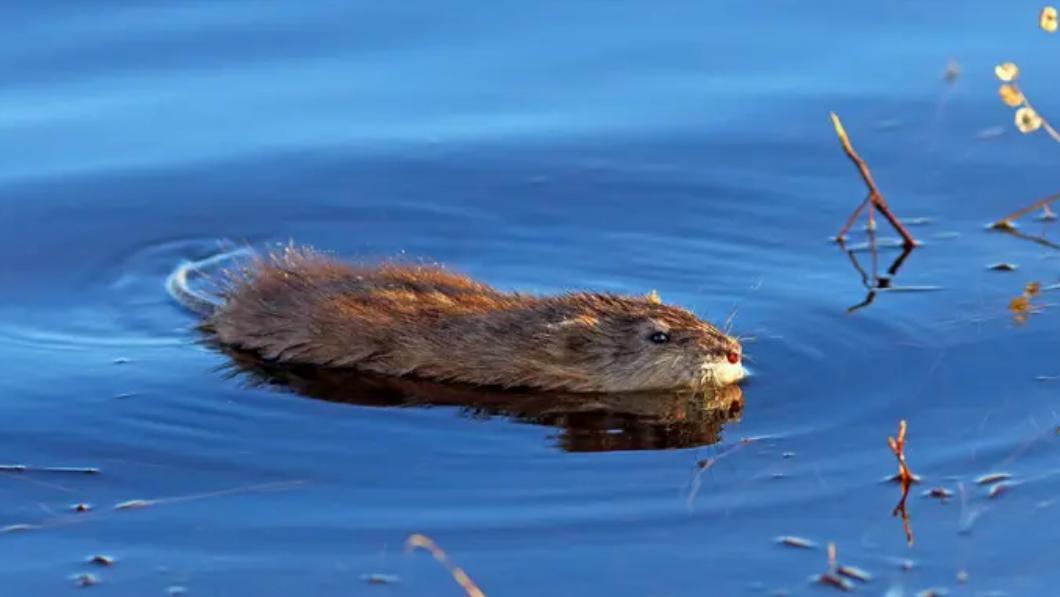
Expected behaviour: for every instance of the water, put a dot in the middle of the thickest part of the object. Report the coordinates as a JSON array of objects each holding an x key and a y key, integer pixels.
[{"x": 683, "y": 148}]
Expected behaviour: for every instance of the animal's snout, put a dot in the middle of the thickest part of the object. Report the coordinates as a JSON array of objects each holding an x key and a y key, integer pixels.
[{"x": 727, "y": 372}]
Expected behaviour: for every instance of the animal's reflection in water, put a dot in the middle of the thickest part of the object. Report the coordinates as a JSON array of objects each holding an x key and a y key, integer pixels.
[{"x": 586, "y": 422}]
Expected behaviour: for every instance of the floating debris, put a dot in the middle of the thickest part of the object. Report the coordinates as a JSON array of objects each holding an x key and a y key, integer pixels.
[
  {"x": 133, "y": 504},
  {"x": 793, "y": 541},
  {"x": 999, "y": 488},
  {"x": 939, "y": 493},
  {"x": 1023, "y": 305},
  {"x": 81, "y": 507},
  {"x": 86, "y": 580},
  {"x": 121, "y": 361},
  {"x": 991, "y": 478},
  {"x": 1003, "y": 267},
  {"x": 380, "y": 579},
  {"x": 22, "y": 468},
  {"x": 953, "y": 70},
  {"x": 854, "y": 572},
  {"x": 101, "y": 560},
  {"x": 1009, "y": 222},
  {"x": 788, "y": 455},
  {"x": 17, "y": 528},
  {"x": 837, "y": 576},
  {"x": 897, "y": 478},
  {"x": 832, "y": 580}
]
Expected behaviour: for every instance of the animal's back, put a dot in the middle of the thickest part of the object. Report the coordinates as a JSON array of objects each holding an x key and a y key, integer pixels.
[{"x": 304, "y": 306}]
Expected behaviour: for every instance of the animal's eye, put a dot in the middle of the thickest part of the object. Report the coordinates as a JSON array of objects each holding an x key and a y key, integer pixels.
[
  {"x": 660, "y": 337},
  {"x": 733, "y": 357}
]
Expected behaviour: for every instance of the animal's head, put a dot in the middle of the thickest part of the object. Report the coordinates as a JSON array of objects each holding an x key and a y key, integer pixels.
[{"x": 634, "y": 344}]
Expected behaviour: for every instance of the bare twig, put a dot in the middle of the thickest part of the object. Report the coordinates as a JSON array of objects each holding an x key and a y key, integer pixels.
[
  {"x": 875, "y": 198},
  {"x": 705, "y": 464},
  {"x": 905, "y": 477},
  {"x": 1005, "y": 223},
  {"x": 21, "y": 468},
  {"x": 426, "y": 543},
  {"x": 83, "y": 515}
]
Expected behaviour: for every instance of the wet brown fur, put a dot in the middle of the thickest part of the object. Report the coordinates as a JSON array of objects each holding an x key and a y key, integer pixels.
[{"x": 299, "y": 306}]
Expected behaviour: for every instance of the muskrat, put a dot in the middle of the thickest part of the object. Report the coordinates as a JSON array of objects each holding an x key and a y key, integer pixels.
[{"x": 300, "y": 306}]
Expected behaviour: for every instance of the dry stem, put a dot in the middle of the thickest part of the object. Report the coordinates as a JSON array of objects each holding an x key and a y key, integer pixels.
[
  {"x": 458, "y": 574},
  {"x": 905, "y": 477},
  {"x": 1006, "y": 222},
  {"x": 875, "y": 198}
]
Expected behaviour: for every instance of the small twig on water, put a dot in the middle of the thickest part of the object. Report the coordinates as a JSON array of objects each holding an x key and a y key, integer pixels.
[
  {"x": 426, "y": 543},
  {"x": 831, "y": 576},
  {"x": 905, "y": 477},
  {"x": 21, "y": 468},
  {"x": 1006, "y": 223},
  {"x": 840, "y": 576},
  {"x": 875, "y": 199},
  {"x": 83, "y": 514},
  {"x": 706, "y": 463}
]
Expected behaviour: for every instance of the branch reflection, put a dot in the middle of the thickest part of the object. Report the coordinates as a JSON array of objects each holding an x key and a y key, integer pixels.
[{"x": 873, "y": 281}]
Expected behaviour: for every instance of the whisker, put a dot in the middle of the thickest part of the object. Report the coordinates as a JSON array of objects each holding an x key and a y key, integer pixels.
[{"x": 730, "y": 318}]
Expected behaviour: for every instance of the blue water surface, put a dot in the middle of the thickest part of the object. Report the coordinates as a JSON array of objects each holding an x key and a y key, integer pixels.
[{"x": 683, "y": 147}]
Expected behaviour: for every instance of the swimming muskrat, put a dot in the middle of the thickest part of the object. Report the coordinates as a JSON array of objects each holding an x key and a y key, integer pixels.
[{"x": 300, "y": 306}]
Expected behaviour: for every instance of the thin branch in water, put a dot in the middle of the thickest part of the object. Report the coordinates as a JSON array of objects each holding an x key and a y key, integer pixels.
[
  {"x": 21, "y": 468},
  {"x": 875, "y": 199},
  {"x": 905, "y": 477},
  {"x": 1006, "y": 223},
  {"x": 875, "y": 282},
  {"x": 81, "y": 515},
  {"x": 705, "y": 464},
  {"x": 426, "y": 543}
]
